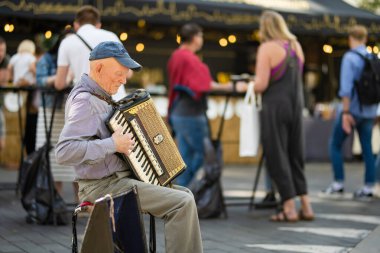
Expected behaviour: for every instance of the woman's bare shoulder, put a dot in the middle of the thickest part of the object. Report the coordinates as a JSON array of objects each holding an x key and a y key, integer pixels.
[
  {"x": 269, "y": 44},
  {"x": 270, "y": 47}
]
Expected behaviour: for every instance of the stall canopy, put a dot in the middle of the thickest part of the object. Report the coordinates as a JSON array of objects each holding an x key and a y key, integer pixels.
[{"x": 306, "y": 16}]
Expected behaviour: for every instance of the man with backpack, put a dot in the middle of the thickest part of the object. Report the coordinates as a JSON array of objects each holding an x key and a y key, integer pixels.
[
  {"x": 353, "y": 114},
  {"x": 74, "y": 50}
]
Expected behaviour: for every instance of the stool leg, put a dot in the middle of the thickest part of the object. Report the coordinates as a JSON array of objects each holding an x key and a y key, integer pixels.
[
  {"x": 224, "y": 207},
  {"x": 256, "y": 182},
  {"x": 74, "y": 241},
  {"x": 152, "y": 235}
]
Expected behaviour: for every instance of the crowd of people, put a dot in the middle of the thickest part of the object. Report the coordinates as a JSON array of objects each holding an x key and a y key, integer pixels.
[{"x": 94, "y": 61}]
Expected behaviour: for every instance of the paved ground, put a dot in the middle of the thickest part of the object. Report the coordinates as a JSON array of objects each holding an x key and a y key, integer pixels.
[{"x": 340, "y": 225}]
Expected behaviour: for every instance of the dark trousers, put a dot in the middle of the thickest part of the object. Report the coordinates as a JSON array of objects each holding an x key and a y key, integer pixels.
[{"x": 282, "y": 139}]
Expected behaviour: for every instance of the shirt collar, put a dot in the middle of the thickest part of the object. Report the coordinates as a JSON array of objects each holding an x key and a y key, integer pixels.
[
  {"x": 360, "y": 48},
  {"x": 86, "y": 27},
  {"x": 94, "y": 86}
]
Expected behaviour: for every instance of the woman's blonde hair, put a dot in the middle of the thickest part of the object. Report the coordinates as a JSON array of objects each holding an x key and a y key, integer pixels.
[
  {"x": 26, "y": 46},
  {"x": 273, "y": 27}
]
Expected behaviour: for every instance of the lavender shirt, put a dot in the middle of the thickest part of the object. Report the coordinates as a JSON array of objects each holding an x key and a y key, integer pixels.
[{"x": 85, "y": 142}]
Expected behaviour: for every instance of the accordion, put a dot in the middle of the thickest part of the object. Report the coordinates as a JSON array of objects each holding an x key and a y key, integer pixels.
[{"x": 155, "y": 158}]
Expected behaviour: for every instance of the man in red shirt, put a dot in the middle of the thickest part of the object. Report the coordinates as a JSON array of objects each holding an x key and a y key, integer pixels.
[{"x": 189, "y": 79}]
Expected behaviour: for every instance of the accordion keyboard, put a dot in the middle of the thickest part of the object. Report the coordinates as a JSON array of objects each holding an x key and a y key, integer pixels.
[{"x": 141, "y": 155}]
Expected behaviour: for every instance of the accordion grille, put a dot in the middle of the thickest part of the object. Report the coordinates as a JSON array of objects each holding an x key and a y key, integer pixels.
[{"x": 155, "y": 126}]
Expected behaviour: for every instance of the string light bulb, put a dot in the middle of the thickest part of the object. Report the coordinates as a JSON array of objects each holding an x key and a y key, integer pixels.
[
  {"x": 141, "y": 23},
  {"x": 223, "y": 42},
  {"x": 375, "y": 49},
  {"x": 140, "y": 47},
  {"x": 232, "y": 38},
  {"x": 328, "y": 49},
  {"x": 8, "y": 28},
  {"x": 123, "y": 36},
  {"x": 48, "y": 34}
]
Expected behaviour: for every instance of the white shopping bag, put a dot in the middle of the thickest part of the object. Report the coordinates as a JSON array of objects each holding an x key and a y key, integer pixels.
[{"x": 250, "y": 124}]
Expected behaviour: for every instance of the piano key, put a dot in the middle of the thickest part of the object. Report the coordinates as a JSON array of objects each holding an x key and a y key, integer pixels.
[
  {"x": 148, "y": 173},
  {"x": 151, "y": 177},
  {"x": 134, "y": 147},
  {"x": 144, "y": 168},
  {"x": 139, "y": 153},
  {"x": 117, "y": 115},
  {"x": 120, "y": 120},
  {"x": 144, "y": 163},
  {"x": 123, "y": 122},
  {"x": 126, "y": 130},
  {"x": 147, "y": 168}
]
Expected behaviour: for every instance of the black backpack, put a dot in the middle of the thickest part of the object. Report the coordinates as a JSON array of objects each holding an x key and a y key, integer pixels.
[{"x": 368, "y": 85}]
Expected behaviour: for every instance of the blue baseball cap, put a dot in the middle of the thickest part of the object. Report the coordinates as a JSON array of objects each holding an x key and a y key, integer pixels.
[{"x": 112, "y": 49}]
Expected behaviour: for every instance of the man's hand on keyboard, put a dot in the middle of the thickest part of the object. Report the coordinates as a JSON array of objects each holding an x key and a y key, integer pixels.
[{"x": 123, "y": 141}]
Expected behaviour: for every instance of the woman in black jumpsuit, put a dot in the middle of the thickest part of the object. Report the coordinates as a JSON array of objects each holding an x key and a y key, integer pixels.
[{"x": 278, "y": 78}]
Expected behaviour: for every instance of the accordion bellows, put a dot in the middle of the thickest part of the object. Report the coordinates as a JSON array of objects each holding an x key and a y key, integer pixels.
[{"x": 155, "y": 158}]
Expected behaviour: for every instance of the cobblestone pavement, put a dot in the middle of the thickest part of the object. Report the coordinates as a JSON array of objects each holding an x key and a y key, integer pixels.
[{"x": 340, "y": 225}]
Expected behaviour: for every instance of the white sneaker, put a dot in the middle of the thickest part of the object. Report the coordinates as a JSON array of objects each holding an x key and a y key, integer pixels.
[
  {"x": 363, "y": 194},
  {"x": 334, "y": 190}
]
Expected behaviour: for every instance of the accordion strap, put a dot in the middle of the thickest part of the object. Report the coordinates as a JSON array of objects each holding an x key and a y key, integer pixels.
[{"x": 109, "y": 101}]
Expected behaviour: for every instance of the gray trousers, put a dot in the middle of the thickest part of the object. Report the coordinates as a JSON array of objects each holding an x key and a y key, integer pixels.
[{"x": 176, "y": 206}]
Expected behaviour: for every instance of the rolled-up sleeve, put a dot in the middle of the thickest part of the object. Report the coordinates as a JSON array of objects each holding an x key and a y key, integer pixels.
[
  {"x": 347, "y": 76},
  {"x": 80, "y": 141}
]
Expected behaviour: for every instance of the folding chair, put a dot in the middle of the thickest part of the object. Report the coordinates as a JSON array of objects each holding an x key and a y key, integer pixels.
[{"x": 115, "y": 225}]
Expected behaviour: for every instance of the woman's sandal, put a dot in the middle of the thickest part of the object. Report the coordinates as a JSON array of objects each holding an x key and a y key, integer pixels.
[
  {"x": 304, "y": 217},
  {"x": 281, "y": 216}
]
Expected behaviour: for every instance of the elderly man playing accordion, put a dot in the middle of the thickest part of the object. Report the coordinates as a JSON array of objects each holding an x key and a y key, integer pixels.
[{"x": 87, "y": 144}]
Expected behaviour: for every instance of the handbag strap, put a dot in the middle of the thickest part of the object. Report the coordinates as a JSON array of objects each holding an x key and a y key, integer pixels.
[
  {"x": 252, "y": 97},
  {"x": 250, "y": 93},
  {"x": 81, "y": 38}
]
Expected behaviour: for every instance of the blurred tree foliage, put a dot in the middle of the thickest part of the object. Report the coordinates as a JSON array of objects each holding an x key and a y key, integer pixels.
[{"x": 371, "y": 5}]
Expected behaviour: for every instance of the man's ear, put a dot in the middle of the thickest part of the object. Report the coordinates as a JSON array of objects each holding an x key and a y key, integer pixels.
[
  {"x": 76, "y": 26},
  {"x": 98, "y": 25},
  {"x": 98, "y": 67}
]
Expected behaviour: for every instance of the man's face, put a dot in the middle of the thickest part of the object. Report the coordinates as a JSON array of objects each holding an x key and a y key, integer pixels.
[
  {"x": 350, "y": 39},
  {"x": 3, "y": 51},
  {"x": 112, "y": 75},
  {"x": 198, "y": 40}
]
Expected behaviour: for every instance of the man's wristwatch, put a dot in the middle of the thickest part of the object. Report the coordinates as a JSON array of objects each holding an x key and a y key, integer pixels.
[{"x": 346, "y": 112}]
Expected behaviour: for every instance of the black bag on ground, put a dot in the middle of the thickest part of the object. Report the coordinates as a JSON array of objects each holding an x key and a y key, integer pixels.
[
  {"x": 368, "y": 85},
  {"x": 207, "y": 188},
  {"x": 38, "y": 196}
]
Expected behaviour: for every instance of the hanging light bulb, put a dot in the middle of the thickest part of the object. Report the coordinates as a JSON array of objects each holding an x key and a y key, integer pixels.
[
  {"x": 223, "y": 42},
  {"x": 140, "y": 47},
  {"x": 48, "y": 34},
  {"x": 123, "y": 36},
  {"x": 328, "y": 49},
  {"x": 232, "y": 38}
]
